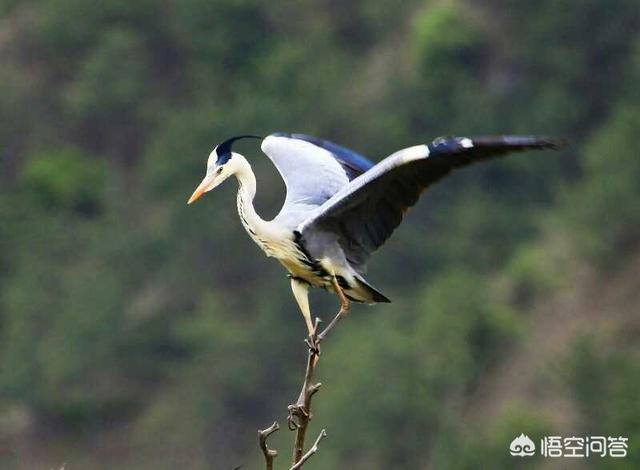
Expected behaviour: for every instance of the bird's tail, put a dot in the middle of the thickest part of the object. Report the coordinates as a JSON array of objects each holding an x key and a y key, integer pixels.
[{"x": 365, "y": 292}]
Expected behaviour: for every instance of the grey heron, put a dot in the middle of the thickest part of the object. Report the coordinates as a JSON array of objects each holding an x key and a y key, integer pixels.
[{"x": 339, "y": 206}]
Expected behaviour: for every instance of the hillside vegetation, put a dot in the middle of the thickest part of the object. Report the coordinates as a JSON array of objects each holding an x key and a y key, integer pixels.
[{"x": 137, "y": 332}]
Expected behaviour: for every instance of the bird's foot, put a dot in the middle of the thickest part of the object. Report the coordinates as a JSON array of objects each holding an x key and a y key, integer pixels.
[
  {"x": 313, "y": 343},
  {"x": 313, "y": 340}
]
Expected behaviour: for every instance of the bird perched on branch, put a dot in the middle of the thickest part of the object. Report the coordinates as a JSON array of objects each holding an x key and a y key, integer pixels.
[{"x": 340, "y": 207}]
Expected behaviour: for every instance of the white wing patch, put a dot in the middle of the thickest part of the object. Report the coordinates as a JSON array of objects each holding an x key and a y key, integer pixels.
[
  {"x": 466, "y": 142},
  {"x": 310, "y": 173},
  {"x": 396, "y": 159},
  {"x": 412, "y": 153}
]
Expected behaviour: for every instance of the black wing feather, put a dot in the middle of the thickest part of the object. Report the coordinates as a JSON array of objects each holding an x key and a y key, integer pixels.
[{"x": 367, "y": 211}]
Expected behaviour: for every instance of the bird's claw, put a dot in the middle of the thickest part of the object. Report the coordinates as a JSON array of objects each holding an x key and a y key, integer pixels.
[
  {"x": 313, "y": 343},
  {"x": 313, "y": 340}
]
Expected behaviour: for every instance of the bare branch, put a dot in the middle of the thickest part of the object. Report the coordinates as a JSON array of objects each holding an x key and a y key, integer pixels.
[
  {"x": 300, "y": 412},
  {"x": 310, "y": 452},
  {"x": 269, "y": 454}
]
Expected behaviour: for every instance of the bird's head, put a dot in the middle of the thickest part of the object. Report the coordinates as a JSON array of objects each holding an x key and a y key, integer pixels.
[{"x": 221, "y": 164}]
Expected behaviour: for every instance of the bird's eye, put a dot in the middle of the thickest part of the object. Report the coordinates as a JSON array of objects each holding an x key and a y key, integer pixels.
[{"x": 219, "y": 171}]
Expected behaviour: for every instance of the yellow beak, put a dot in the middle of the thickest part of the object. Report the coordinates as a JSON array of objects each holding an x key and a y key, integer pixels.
[{"x": 203, "y": 187}]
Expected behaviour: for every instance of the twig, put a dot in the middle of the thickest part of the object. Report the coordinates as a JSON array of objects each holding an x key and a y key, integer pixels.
[
  {"x": 269, "y": 454},
  {"x": 311, "y": 451},
  {"x": 300, "y": 412}
]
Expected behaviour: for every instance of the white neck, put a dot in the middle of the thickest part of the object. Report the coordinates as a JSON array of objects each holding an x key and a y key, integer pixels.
[{"x": 251, "y": 221}]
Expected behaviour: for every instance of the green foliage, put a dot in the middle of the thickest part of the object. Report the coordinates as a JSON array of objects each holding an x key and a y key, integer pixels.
[
  {"x": 607, "y": 404},
  {"x": 605, "y": 222},
  {"x": 432, "y": 350},
  {"x": 471, "y": 328},
  {"x": 65, "y": 179},
  {"x": 484, "y": 445},
  {"x": 112, "y": 81},
  {"x": 159, "y": 329},
  {"x": 450, "y": 54},
  {"x": 446, "y": 37},
  {"x": 537, "y": 270},
  {"x": 221, "y": 35}
]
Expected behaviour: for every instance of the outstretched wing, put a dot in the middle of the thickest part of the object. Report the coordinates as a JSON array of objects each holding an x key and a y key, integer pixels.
[
  {"x": 365, "y": 212},
  {"x": 313, "y": 169},
  {"x": 351, "y": 162}
]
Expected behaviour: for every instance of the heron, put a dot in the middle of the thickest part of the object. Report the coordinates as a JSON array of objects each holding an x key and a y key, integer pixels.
[{"x": 339, "y": 206}]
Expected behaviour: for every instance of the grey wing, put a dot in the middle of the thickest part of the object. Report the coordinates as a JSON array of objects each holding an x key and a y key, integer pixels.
[
  {"x": 353, "y": 163},
  {"x": 313, "y": 169},
  {"x": 364, "y": 213}
]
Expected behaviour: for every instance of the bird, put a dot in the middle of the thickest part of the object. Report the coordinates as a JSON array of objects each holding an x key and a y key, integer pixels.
[{"x": 339, "y": 206}]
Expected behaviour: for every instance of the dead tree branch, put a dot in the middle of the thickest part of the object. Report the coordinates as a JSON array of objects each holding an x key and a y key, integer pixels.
[
  {"x": 300, "y": 412},
  {"x": 269, "y": 454},
  {"x": 311, "y": 451}
]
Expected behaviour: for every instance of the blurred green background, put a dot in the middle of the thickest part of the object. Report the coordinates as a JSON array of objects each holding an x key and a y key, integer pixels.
[{"x": 139, "y": 333}]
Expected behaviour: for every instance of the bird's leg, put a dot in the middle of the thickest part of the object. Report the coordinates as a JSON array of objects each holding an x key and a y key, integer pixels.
[
  {"x": 301, "y": 293},
  {"x": 344, "y": 309},
  {"x": 300, "y": 412},
  {"x": 314, "y": 354}
]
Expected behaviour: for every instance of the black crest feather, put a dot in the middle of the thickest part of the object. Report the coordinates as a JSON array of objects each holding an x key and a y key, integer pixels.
[{"x": 223, "y": 150}]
